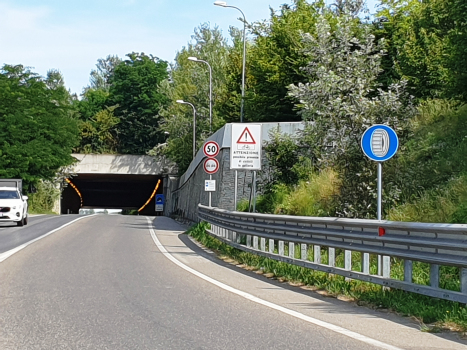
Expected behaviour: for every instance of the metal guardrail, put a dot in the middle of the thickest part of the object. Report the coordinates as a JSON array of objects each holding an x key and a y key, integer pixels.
[{"x": 313, "y": 242}]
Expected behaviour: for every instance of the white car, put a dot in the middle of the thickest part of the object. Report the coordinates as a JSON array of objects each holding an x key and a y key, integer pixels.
[{"x": 13, "y": 206}]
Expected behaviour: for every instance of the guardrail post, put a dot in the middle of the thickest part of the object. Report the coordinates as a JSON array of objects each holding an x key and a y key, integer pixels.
[
  {"x": 386, "y": 266},
  {"x": 303, "y": 251},
  {"x": 291, "y": 250},
  {"x": 348, "y": 260},
  {"x": 255, "y": 242},
  {"x": 317, "y": 254},
  {"x": 281, "y": 248},
  {"x": 434, "y": 275},
  {"x": 263, "y": 244},
  {"x": 248, "y": 240},
  {"x": 271, "y": 246},
  {"x": 366, "y": 263},
  {"x": 463, "y": 278},
  {"x": 408, "y": 264},
  {"x": 332, "y": 257}
]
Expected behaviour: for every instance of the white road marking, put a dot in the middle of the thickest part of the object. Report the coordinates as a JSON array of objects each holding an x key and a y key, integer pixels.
[
  {"x": 252, "y": 298},
  {"x": 6, "y": 255}
]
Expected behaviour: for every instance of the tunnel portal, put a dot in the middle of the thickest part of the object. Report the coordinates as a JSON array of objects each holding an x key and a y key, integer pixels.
[{"x": 111, "y": 191}]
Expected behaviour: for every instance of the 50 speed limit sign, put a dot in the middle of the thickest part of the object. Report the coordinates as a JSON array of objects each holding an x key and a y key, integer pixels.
[{"x": 211, "y": 149}]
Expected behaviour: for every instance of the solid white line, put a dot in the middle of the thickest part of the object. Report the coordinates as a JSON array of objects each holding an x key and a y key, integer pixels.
[
  {"x": 252, "y": 298},
  {"x": 6, "y": 255}
]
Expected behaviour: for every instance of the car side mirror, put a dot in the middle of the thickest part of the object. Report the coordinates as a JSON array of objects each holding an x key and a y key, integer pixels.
[{"x": 25, "y": 198}]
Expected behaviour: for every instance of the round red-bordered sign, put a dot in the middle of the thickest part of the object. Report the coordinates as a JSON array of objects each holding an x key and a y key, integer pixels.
[
  {"x": 211, "y": 149},
  {"x": 211, "y": 165}
]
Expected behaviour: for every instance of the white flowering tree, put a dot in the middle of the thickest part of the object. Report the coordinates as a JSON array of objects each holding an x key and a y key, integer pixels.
[{"x": 341, "y": 99}]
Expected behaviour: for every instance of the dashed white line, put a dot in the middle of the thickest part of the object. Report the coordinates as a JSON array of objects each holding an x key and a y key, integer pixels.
[{"x": 257, "y": 300}]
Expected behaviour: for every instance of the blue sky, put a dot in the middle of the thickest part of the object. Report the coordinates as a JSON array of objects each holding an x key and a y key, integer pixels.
[{"x": 71, "y": 35}]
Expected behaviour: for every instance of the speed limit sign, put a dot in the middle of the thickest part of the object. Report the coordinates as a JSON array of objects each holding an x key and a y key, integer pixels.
[{"x": 211, "y": 149}]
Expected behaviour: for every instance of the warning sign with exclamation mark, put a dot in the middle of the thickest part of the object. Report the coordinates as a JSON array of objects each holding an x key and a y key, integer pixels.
[{"x": 246, "y": 147}]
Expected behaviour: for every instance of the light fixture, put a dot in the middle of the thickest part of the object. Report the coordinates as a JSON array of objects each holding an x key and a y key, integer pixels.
[{"x": 220, "y": 3}]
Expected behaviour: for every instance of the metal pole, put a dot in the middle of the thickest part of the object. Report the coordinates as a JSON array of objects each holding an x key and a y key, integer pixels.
[
  {"x": 194, "y": 131},
  {"x": 243, "y": 68},
  {"x": 210, "y": 178},
  {"x": 235, "y": 190},
  {"x": 210, "y": 98},
  {"x": 254, "y": 191},
  {"x": 380, "y": 189},
  {"x": 244, "y": 58},
  {"x": 380, "y": 181}
]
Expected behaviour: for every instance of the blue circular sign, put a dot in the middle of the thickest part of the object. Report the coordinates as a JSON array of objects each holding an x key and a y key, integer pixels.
[{"x": 380, "y": 143}]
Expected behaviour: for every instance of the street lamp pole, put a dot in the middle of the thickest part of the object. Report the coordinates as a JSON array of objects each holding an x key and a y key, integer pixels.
[
  {"x": 224, "y": 4},
  {"x": 194, "y": 124},
  {"x": 194, "y": 59}
]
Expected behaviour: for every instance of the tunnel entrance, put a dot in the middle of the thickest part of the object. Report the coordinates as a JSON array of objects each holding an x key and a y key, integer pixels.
[{"x": 110, "y": 191}]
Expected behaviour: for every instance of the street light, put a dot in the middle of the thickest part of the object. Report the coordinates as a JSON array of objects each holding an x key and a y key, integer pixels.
[
  {"x": 194, "y": 124},
  {"x": 224, "y": 4},
  {"x": 194, "y": 59}
]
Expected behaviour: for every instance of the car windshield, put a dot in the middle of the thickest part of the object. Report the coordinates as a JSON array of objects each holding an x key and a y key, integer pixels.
[{"x": 5, "y": 194}]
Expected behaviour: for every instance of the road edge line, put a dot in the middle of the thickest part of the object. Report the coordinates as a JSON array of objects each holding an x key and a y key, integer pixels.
[
  {"x": 309, "y": 319},
  {"x": 7, "y": 254}
]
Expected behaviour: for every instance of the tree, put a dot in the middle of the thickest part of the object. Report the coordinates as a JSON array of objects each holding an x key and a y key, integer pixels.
[
  {"x": 275, "y": 61},
  {"x": 190, "y": 82},
  {"x": 341, "y": 99},
  {"x": 135, "y": 91},
  {"x": 101, "y": 76},
  {"x": 427, "y": 46},
  {"x": 37, "y": 132}
]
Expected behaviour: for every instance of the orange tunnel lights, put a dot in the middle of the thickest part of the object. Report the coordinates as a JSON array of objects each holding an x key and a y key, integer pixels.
[
  {"x": 152, "y": 196},
  {"x": 76, "y": 189}
]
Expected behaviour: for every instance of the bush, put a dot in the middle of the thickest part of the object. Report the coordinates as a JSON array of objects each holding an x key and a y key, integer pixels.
[{"x": 43, "y": 201}]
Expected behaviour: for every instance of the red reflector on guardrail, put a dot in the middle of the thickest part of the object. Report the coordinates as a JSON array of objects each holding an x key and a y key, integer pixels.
[{"x": 381, "y": 231}]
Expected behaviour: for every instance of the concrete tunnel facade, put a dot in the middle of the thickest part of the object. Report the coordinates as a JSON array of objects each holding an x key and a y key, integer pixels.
[{"x": 113, "y": 182}]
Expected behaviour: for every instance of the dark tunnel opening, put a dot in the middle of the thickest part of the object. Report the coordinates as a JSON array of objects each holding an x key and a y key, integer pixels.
[{"x": 111, "y": 191}]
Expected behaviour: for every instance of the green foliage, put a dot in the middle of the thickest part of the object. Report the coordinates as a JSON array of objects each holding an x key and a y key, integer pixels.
[
  {"x": 135, "y": 91},
  {"x": 427, "y": 45},
  {"x": 275, "y": 61},
  {"x": 282, "y": 156},
  {"x": 99, "y": 134},
  {"x": 190, "y": 82},
  {"x": 340, "y": 100},
  {"x": 37, "y": 132},
  {"x": 43, "y": 201},
  {"x": 101, "y": 76}
]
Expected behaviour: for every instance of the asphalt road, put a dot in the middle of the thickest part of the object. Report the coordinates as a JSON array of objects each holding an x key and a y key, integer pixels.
[
  {"x": 102, "y": 284},
  {"x": 12, "y": 236}
]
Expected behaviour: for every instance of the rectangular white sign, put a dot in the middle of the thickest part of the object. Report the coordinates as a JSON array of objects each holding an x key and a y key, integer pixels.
[
  {"x": 209, "y": 185},
  {"x": 245, "y": 148},
  {"x": 159, "y": 207}
]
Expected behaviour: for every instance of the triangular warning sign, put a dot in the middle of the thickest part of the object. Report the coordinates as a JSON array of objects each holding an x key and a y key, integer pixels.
[{"x": 246, "y": 137}]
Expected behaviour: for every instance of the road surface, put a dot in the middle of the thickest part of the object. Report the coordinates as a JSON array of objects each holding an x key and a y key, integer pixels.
[{"x": 131, "y": 282}]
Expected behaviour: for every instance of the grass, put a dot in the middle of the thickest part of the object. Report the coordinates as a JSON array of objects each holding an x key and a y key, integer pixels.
[{"x": 442, "y": 314}]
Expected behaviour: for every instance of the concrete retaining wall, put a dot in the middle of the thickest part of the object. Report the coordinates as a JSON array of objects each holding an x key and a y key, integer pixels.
[{"x": 184, "y": 194}]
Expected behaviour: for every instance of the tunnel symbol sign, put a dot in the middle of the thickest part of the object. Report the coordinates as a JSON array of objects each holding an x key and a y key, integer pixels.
[
  {"x": 379, "y": 143},
  {"x": 160, "y": 199}
]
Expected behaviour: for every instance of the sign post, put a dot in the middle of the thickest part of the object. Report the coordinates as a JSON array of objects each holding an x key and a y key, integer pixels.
[
  {"x": 380, "y": 143},
  {"x": 245, "y": 151},
  {"x": 211, "y": 166}
]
